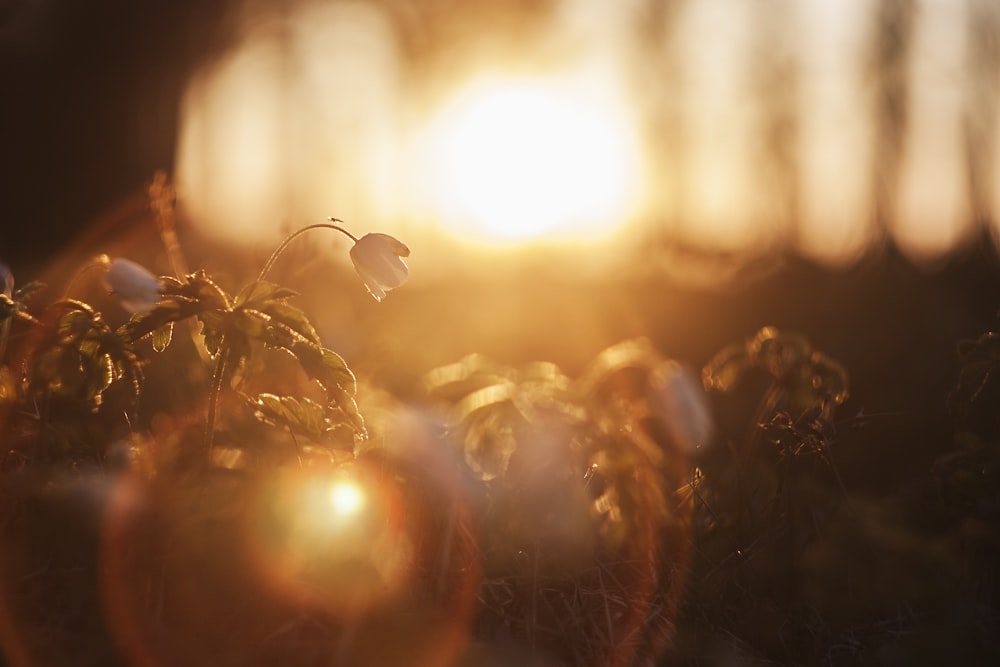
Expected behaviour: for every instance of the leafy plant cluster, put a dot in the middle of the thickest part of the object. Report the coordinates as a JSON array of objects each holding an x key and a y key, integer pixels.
[
  {"x": 582, "y": 540},
  {"x": 74, "y": 359}
]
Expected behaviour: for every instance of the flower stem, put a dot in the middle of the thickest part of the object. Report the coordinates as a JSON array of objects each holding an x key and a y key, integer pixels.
[
  {"x": 288, "y": 239},
  {"x": 214, "y": 396},
  {"x": 101, "y": 261},
  {"x": 161, "y": 201}
]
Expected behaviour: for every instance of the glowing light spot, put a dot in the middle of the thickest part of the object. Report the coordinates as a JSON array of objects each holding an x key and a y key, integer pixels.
[
  {"x": 522, "y": 161},
  {"x": 346, "y": 498}
]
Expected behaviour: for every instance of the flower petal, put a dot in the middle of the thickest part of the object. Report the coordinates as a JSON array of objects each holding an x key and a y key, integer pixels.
[
  {"x": 378, "y": 260},
  {"x": 370, "y": 282},
  {"x": 137, "y": 289}
]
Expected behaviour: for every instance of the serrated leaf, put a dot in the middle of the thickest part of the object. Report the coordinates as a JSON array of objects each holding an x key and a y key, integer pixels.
[
  {"x": 170, "y": 284},
  {"x": 202, "y": 287},
  {"x": 212, "y": 329},
  {"x": 162, "y": 336},
  {"x": 303, "y": 417},
  {"x": 170, "y": 308},
  {"x": 98, "y": 373},
  {"x": 261, "y": 290},
  {"x": 348, "y": 408},
  {"x": 292, "y": 318},
  {"x": 89, "y": 347},
  {"x": 73, "y": 323},
  {"x": 213, "y": 340},
  {"x": 325, "y": 366},
  {"x": 250, "y": 323}
]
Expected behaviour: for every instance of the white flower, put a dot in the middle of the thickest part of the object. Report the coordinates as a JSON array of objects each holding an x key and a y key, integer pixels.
[
  {"x": 137, "y": 289},
  {"x": 378, "y": 260}
]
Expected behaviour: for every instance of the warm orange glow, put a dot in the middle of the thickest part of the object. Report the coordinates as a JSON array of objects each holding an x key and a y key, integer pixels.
[
  {"x": 524, "y": 160},
  {"x": 346, "y": 498},
  {"x": 338, "y": 540},
  {"x": 836, "y": 132},
  {"x": 315, "y": 112},
  {"x": 933, "y": 209}
]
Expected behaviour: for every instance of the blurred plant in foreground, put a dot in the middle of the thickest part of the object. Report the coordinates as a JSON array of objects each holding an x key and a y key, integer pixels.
[{"x": 583, "y": 543}]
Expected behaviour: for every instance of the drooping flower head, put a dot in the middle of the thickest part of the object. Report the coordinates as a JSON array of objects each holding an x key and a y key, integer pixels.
[
  {"x": 137, "y": 289},
  {"x": 378, "y": 260}
]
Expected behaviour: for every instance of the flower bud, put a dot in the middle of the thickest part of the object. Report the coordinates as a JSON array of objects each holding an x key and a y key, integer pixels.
[
  {"x": 378, "y": 260},
  {"x": 137, "y": 289}
]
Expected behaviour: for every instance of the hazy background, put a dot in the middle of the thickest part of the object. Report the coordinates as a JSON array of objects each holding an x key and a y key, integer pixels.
[{"x": 827, "y": 126}]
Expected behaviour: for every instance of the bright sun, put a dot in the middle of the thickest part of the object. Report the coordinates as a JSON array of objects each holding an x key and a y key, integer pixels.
[
  {"x": 524, "y": 161},
  {"x": 346, "y": 498}
]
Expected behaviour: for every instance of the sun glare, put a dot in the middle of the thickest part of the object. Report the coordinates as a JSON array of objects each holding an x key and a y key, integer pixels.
[
  {"x": 525, "y": 161},
  {"x": 346, "y": 498}
]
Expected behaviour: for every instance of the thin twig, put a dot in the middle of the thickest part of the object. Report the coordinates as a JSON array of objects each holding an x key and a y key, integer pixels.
[
  {"x": 215, "y": 396},
  {"x": 288, "y": 239}
]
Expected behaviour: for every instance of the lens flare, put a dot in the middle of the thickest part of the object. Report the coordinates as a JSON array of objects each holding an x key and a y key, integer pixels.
[{"x": 346, "y": 499}]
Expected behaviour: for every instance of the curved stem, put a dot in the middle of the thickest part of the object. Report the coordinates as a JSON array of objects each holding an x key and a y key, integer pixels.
[
  {"x": 288, "y": 239},
  {"x": 101, "y": 261}
]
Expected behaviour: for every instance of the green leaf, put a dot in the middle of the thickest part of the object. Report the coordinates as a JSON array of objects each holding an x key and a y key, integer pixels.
[
  {"x": 250, "y": 323},
  {"x": 304, "y": 417},
  {"x": 74, "y": 323},
  {"x": 292, "y": 318},
  {"x": 97, "y": 375},
  {"x": 325, "y": 366},
  {"x": 202, "y": 288},
  {"x": 213, "y": 325},
  {"x": 260, "y": 290},
  {"x": 162, "y": 336},
  {"x": 213, "y": 340},
  {"x": 171, "y": 308},
  {"x": 347, "y": 407}
]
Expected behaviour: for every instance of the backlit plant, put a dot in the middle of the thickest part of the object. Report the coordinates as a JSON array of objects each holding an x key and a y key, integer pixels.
[{"x": 76, "y": 356}]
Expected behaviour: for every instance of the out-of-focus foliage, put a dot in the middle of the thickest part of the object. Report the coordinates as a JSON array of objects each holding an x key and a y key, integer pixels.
[
  {"x": 977, "y": 392},
  {"x": 260, "y": 314},
  {"x": 804, "y": 378},
  {"x": 74, "y": 358},
  {"x": 577, "y": 480}
]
